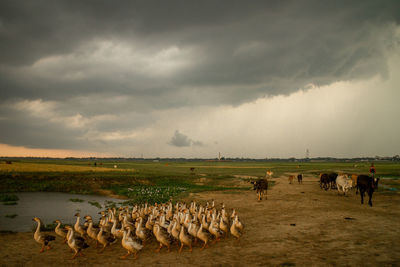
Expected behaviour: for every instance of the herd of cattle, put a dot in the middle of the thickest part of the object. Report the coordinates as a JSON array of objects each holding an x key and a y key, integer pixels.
[
  {"x": 342, "y": 182},
  {"x": 362, "y": 183}
]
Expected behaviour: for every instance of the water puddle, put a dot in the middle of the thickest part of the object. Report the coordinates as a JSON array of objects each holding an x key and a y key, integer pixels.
[{"x": 48, "y": 207}]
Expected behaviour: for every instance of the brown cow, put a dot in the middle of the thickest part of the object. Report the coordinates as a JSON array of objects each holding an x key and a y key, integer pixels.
[
  {"x": 367, "y": 184},
  {"x": 324, "y": 181},
  {"x": 291, "y": 178},
  {"x": 261, "y": 187},
  {"x": 354, "y": 179},
  {"x": 300, "y": 178}
]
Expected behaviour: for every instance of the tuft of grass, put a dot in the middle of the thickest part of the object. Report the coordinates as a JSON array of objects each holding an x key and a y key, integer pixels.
[
  {"x": 11, "y": 216},
  {"x": 95, "y": 203},
  {"x": 76, "y": 200},
  {"x": 10, "y": 203},
  {"x": 8, "y": 198}
]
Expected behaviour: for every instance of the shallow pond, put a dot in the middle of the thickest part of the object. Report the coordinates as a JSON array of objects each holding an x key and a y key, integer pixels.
[{"x": 48, "y": 207}]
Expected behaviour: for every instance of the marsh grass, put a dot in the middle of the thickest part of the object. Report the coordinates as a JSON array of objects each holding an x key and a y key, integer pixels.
[
  {"x": 10, "y": 203},
  {"x": 8, "y": 198},
  {"x": 95, "y": 203},
  {"x": 76, "y": 200}
]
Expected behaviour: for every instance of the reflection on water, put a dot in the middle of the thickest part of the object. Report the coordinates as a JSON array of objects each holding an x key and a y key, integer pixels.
[{"x": 48, "y": 207}]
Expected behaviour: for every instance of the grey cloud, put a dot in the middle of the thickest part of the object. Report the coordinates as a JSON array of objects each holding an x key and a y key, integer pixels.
[{"x": 181, "y": 140}]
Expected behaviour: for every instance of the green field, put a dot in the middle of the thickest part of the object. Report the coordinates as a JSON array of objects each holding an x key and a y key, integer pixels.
[{"x": 159, "y": 181}]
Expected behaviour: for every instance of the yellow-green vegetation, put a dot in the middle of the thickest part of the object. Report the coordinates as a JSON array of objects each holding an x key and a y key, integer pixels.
[
  {"x": 43, "y": 167},
  {"x": 143, "y": 181}
]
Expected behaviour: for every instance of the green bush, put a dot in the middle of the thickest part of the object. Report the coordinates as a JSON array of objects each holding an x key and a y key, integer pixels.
[{"x": 7, "y": 198}]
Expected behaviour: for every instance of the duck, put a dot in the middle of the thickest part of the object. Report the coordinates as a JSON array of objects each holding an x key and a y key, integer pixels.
[
  {"x": 105, "y": 238},
  {"x": 117, "y": 233},
  {"x": 214, "y": 230},
  {"x": 192, "y": 230},
  {"x": 185, "y": 239},
  {"x": 149, "y": 223},
  {"x": 223, "y": 226},
  {"x": 224, "y": 214},
  {"x": 204, "y": 222},
  {"x": 60, "y": 231},
  {"x": 175, "y": 231},
  {"x": 203, "y": 236},
  {"x": 42, "y": 238},
  {"x": 106, "y": 225},
  {"x": 162, "y": 237},
  {"x": 132, "y": 245},
  {"x": 91, "y": 230},
  {"x": 76, "y": 243},
  {"x": 142, "y": 232},
  {"x": 239, "y": 224},
  {"x": 233, "y": 214},
  {"x": 236, "y": 228},
  {"x": 79, "y": 228}
]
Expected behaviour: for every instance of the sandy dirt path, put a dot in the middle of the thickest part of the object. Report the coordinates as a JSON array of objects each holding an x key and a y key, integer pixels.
[{"x": 298, "y": 225}]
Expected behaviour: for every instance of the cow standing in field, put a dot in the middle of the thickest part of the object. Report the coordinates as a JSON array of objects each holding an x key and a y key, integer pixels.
[
  {"x": 261, "y": 187},
  {"x": 332, "y": 179},
  {"x": 291, "y": 178},
  {"x": 344, "y": 183},
  {"x": 324, "y": 181},
  {"x": 300, "y": 178},
  {"x": 367, "y": 184},
  {"x": 354, "y": 179}
]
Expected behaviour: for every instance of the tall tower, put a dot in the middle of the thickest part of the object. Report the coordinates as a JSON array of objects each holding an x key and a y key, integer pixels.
[
  {"x": 219, "y": 155},
  {"x": 307, "y": 153}
]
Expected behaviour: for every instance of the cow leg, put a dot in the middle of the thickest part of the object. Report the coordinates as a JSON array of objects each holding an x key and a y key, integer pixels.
[
  {"x": 370, "y": 197},
  {"x": 362, "y": 196}
]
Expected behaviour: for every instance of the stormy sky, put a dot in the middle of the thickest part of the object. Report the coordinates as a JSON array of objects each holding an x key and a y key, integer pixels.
[{"x": 194, "y": 78}]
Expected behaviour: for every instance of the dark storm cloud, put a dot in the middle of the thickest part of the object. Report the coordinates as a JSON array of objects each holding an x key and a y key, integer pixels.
[
  {"x": 181, "y": 140},
  {"x": 98, "y": 58},
  {"x": 254, "y": 48}
]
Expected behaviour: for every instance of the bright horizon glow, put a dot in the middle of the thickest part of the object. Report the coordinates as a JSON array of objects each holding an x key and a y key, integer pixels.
[{"x": 20, "y": 151}]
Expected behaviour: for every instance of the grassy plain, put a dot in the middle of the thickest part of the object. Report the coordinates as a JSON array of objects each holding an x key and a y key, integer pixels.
[{"x": 151, "y": 181}]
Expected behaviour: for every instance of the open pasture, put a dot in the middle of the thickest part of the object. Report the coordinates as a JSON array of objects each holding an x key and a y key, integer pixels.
[
  {"x": 179, "y": 178},
  {"x": 299, "y": 224}
]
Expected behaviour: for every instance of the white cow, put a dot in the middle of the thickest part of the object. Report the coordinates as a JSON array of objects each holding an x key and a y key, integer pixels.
[{"x": 344, "y": 183}]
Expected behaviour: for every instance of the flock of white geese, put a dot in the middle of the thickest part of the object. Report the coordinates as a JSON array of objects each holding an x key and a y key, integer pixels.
[{"x": 169, "y": 224}]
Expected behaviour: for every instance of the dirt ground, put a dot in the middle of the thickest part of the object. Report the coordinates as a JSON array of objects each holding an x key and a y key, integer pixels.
[{"x": 298, "y": 225}]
